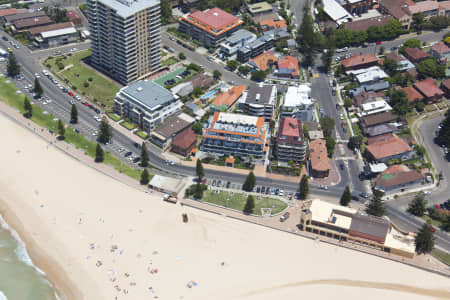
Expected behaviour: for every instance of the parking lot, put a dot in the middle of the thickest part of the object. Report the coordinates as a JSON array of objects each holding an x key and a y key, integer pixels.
[{"x": 172, "y": 77}]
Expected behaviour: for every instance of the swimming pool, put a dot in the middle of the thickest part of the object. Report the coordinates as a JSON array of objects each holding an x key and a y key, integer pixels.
[{"x": 209, "y": 94}]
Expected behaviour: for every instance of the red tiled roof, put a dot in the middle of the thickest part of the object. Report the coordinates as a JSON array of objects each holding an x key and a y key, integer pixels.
[
  {"x": 415, "y": 53},
  {"x": 387, "y": 148},
  {"x": 229, "y": 97},
  {"x": 428, "y": 88},
  {"x": 444, "y": 5},
  {"x": 291, "y": 127},
  {"x": 11, "y": 11},
  {"x": 185, "y": 139},
  {"x": 379, "y": 138},
  {"x": 289, "y": 62},
  {"x": 319, "y": 155},
  {"x": 71, "y": 14},
  {"x": 262, "y": 60},
  {"x": 214, "y": 17},
  {"x": 395, "y": 7},
  {"x": 424, "y": 6},
  {"x": 39, "y": 29},
  {"x": 395, "y": 56},
  {"x": 440, "y": 48},
  {"x": 366, "y": 23},
  {"x": 412, "y": 93},
  {"x": 357, "y": 60},
  {"x": 396, "y": 175},
  {"x": 273, "y": 23},
  {"x": 19, "y": 24}
]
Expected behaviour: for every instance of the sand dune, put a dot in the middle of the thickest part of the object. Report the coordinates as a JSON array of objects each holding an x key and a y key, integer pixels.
[{"x": 100, "y": 239}]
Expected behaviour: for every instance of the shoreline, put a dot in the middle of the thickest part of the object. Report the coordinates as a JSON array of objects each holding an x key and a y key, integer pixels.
[{"x": 54, "y": 273}]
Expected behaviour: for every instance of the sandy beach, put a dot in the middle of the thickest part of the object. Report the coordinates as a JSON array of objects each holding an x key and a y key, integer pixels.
[{"x": 97, "y": 238}]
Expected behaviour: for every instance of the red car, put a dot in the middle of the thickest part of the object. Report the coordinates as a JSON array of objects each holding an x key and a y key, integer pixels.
[
  {"x": 85, "y": 103},
  {"x": 378, "y": 43},
  {"x": 70, "y": 93}
]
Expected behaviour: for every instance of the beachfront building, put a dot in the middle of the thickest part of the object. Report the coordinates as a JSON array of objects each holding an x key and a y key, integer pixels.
[
  {"x": 164, "y": 134},
  {"x": 291, "y": 144},
  {"x": 297, "y": 103},
  {"x": 237, "y": 40},
  {"x": 236, "y": 135},
  {"x": 259, "y": 101},
  {"x": 146, "y": 103},
  {"x": 125, "y": 37},
  {"x": 209, "y": 27},
  {"x": 348, "y": 225}
]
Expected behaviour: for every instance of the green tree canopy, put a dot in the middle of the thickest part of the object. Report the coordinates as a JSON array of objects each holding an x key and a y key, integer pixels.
[
  {"x": 412, "y": 43},
  {"x": 145, "y": 177},
  {"x": 249, "y": 182},
  {"x": 376, "y": 204},
  {"x": 418, "y": 205},
  {"x": 346, "y": 197},
  {"x": 399, "y": 102},
  {"x": 166, "y": 11},
  {"x": 217, "y": 74},
  {"x": 12, "y": 67},
  {"x": 144, "y": 155},
  {"x": 244, "y": 70},
  {"x": 430, "y": 68},
  {"x": 99, "y": 153},
  {"x": 181, "y": 56},
  {"x": 61, "y": 129},
  {"x": 258, "y": 75},
  {"x": 38, "y": 88},
  {"x": 327, "y": 124},
  {"x": 232, "y": 64},
  {"x": 249, "y": 205},
  {"x": 105, "y": 130},
  {"x": 199, "y": 170},
  {"x": 74, "y": 114},
  {"x": 330, "y": 144},
  {"x": 28, "y": 108},
  {"x": 425, "y": 239},
  {"x": 444, "y": 133},
  {"x": 355, "y": 142},
  {"x": 197, "y": 127},
  {"x": 304, "y": 187}
]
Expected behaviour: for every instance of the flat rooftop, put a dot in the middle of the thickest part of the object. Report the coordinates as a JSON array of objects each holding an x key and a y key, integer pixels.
[
  {"x": 127, "y": 8},
  {"x": 148, "y": 93}
]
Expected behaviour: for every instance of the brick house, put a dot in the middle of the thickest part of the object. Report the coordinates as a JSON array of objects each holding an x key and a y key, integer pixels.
[
  {"x": 184, "y": 142},
  {"x": 415, "y": 54},
  {"x": 429, "y": 90}
]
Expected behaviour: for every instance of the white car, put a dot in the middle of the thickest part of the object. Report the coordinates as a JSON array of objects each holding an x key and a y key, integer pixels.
[
  {"x": 45, "y": 72},
  {"x": 427, "y": 193},
  {"x": 37, "y": 75},
  {"x": 94, "y": 133},
  {"x": 341, "y": 116}
]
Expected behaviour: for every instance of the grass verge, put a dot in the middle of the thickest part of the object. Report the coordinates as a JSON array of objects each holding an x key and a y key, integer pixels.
[
  {"x": 142, "y": 134},
  {"x": 44, "y": 119},
  {"x": 128, "y": 125},
  {"x": 237, "y": 201},
  {"x": 441, "y": 255},
  {"x": 168, "y": 62},
  {"x": 114, "y": 116}
]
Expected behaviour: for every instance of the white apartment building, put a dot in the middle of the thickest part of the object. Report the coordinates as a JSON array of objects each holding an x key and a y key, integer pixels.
[
  {"x": 125, "y": 37},
  {"x": 237, "y": 40},
  {"x": 259, "y": 101},
  {"x": 374, "y": 107},
  {"x": 299, "y": 104},
  {"x": 146, "y": 103}
]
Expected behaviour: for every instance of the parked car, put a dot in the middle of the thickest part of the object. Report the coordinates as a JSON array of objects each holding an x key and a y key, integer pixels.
[
  {"x": 284, "y": 217},
  {"x": 70, "y": 93},
  {"x": 342, "y": 166},
  {"x": 378, "y": 43},
  {"x": 364, "y": 195},
  {"x": 128, "y": 154}
]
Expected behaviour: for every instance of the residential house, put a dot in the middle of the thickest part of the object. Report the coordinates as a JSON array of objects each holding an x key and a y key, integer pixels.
[
  {"x": 319, "y": 161},
  {"x": 315, "y": 134},
  {"x": 369, "y": 75},
  {"x": 359, "y": 62},
  {"x": 272, "y": 24},
  {"x": 297, "y": 103},
  {"x": 374, "y": 108},
  {"x": 364, "y": 24},
  {"x": 10, "y": 19},
  {"x": 146, "y": 103},
  {"x": 259, "y": 100},
  {"x": 262, "y": 61},
  {"x": 291, "y": 144},
  {"x": 381, "y": 129},
  {"x": 74, "y": 17},
  {"x": 53, "y": 35},
  {"x": 440, "y": 51},
  {"x": 347, "y": 224},
  {"x": 35, "y": 31},
  {"x": 163, "y": 135},
  {"x": 415, "y": 54},
  {"x": 397, "y": 178},
  {"x": 357, "y": 6},
  {"x": 413, "y": 95},
  {"x": 403, "y": 64},
  {"x": 391, "y": 148},
  {"x": 210, "y": 27},
  {"x": 398, "y": 9},
  {"x": 184, "y": 142},
  {"x": 237, "y": 40},
  {"x": 227, "y": 99},
  {"x": 445, "y": 87},
  {"x": 429, "y": 90},
  {"x": 10, "y": 12},
  {"x": 444, "y": 7},
  {"x": 287, "y": 67},
  {"x": 374, "y": 120},
  {"x": 188, "y": 5},
  {"x": 22, "y": 25},
  {"x": 427, "y": 8},
  {"x": 236, "y": 135},
  {"x": 201, "y": 80},
  {"x": 260, "y": 8},
  {"x": 365, "y": 97}
]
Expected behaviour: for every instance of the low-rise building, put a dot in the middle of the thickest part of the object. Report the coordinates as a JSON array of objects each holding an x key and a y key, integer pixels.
[
  {"x": 35, "y": 31},
  {"x": 374, "y": 107},
  {"x": 263, "y": 61},
  {"x": 291, "y": 144},
  {"x": 413, "y": 95},
  {"x": 210, "y": 27},
  {"x": 256, "y": 47},
  {"x": 297, "y": 103},
  {"x": 260, "y": 8},
  {"x": 398, "y": 9},
  {"x": 10, "y": 12},
  {"x": 398, "y": 178},
  {"x": 24, "y": 24},
  {"x": 237, "y": 40},
  {"x": 366, "y": 97},
  {"x": 236, "y": 135},
  {"x": 319, "y": 162},
  {"x": 357, "y": 6},
  {"x": 348, "y": 225},
  {"x": 428, "y": 8},
  {"x": 369, "y": 75},
  {"x": 56, "y": 37},
  {"x": 164, "y": 134},
  {"x": 370, "y": 121},
  {"x": 381, "y": 129},
  {"x": 167, "y": 185},
  {"x": 259, "y": 101},
  {"x": 364, "y": 24},
  {"x": 11, "y": 18},
  {"x": 287, "y": 67},
  {"x": 272, "y": 24},
  {"x": 403, "y": 63},
  {"x": 445, "y": 87},
  {"x": 227, "y": 99},
  {"x": 336, "y": 12},
  {"x": 415, "y": 54},
  {"x": 440, "y": 51},
  {"x": 444, "y": 7},
  {"x": 360, "y": 62},
  {"x": 429, "y": 90},
  {"x": 146, "y": 103},
  {"x": 390, "y": 148},
  {"x": 184, "y": 142},
  {"x": 74, "y": 17}
]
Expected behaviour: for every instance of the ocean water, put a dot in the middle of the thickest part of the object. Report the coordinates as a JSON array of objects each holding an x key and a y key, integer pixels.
[{"x": 19, "y": 278}]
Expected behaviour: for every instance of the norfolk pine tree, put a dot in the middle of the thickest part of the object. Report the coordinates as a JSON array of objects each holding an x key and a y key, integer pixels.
[
  {"x": 144, "y": 155},
  {"x": 145, "y": 177},
  {"x": 28, "y": 108},
  {"x": 425, "y": 239},
  {"x": 304, "y": 187},
  {"x": 74, "y": 114},
  {"x": 98, "y": 153},
  {"x": 376, "y": 205},
  {"x": 418, "y": 205},
  {"x": 249, "y": 205},
  {"x": 346, "y": 197},
  {"x": 61, "y": 129},
  {"x": 12, "y": 68},
  {"x": 105, "y": 134},
  {"x": 199, "y": 170},
  {"x": 250, "y": 182},
  {"x": 38, "y": 88}
]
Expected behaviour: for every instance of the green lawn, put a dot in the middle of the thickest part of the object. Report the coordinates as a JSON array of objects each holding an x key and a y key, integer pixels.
[
  {"x": 100, "y": 89},
  {"x": 170, "y": 61},
  {"x": 142, "y": 134},
  {"x": 128, "y": 125},
  {"x": 9, "y": 96},
  {"x": 114, "y": 116},
  {"x": 163, "y": 53},
  {"x": 432, "y": 221},
  {"x": 441, "y": 255},
  {"x": 237, "y": 201}
]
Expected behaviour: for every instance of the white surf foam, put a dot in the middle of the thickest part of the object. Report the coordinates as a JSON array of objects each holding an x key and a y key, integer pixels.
[
  {"x": 21, "y": 250},
  {"x": 2, "y": 296}
]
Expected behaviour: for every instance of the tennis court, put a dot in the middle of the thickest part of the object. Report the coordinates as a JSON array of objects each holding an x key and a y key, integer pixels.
[{"x": 168, "y": 76}]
